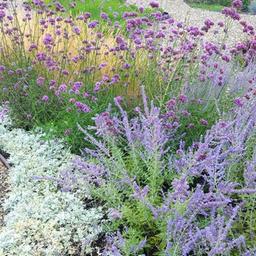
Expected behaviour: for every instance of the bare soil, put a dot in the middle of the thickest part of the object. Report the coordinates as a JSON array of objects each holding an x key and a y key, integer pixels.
[{"x": 4, "y": 186}]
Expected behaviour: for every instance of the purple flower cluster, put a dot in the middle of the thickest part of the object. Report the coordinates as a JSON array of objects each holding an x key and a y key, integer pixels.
[
  {"x": 50, "y": 58},
  {"x": 202, "y": 184}
]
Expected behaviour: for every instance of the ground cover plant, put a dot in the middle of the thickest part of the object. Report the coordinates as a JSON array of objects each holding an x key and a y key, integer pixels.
[
  {"x": 42, "y": 220},
  {"x": 162, "y": 119}
]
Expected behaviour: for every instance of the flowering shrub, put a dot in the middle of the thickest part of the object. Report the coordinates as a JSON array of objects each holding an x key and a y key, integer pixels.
[
  {"x": 172, "y": 204},
  {"x": 40, "y": 218}
]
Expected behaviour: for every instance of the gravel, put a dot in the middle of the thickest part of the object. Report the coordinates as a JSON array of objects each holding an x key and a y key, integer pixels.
[{"x": 181, "y": 12}]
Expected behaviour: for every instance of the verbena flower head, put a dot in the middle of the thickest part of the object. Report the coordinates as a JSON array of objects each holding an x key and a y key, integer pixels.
[
  {"x": 238, "y": 4},
  {"x": 45, "y": 98},
  {"x": 154, "y": 4}
]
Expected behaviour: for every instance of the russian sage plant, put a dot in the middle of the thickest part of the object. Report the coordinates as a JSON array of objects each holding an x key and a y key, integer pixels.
[{"x": 165, "y": 203}]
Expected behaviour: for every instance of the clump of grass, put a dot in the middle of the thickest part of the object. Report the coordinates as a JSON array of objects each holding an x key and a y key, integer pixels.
[
  {"x": 209, "y": 7},
  {"x": 113, "y": 8}
]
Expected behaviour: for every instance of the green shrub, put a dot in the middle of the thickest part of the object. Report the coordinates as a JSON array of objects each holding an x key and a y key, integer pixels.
[{"x": 246, "y": 3}]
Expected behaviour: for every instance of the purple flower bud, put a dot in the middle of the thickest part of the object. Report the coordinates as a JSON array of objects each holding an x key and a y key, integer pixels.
[
  {"x": 38, "y": 2},
  {"x": 104, "y": 16},
  {"x": 204, "y": 122},
  {"x": 238, "y": 102},
  {"x": 67, "y": 132}
]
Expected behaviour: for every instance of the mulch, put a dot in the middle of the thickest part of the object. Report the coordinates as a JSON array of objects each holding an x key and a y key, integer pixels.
[{"x": 4, "y": 186}]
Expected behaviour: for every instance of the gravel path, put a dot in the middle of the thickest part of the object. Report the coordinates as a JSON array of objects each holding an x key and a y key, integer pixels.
[
  {"x": 180, "y": 11},
  {"x": 17, "y": 4}
]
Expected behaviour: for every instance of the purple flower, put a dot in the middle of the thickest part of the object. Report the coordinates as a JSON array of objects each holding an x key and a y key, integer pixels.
[
  {"x": 62, "y": 88},
  {"x": 77, "y": 30},
  {"x": 104, "y": 16},
  {"x": 2, "y": 15},
  {"x": 238, "y": 102},
  {"x": 238, "y": 4},
  {"x": 204, "y": 122},
  {"x": 77, "y": 86},
  {"x": 40, "y": 81},
  {"x": 221, "y": 24},
  {"x": 32, "y": 47},
  {"x": 2, "y": 68},
  {"x": 181, "y": 189},
  {"x": 38, "y": 2},
  {"x": 97, "y": 86},
  {"x": 231, "y": 12},
  {"x": 48, "y": 40},
  {"x": 45, "y": 98},
  {"x": 154, "y": 4},
  {"x": 93, "y": 24},
  {"x": 141, "y": 9},
  {"x": 52, "y": 83},
  {"x": 82, "y": 107},
  {"x": 65, "y": 72},
  {"x": 183, "y": 98},
  {"x": 87, "y": 16},
  {"x": 41, "y": 56},
  {"x": 67, "y": 132},
  {"x": 115, "y": 79},
  {"x": 118, "y": 99},
  {"x": 171, "y": 103}
]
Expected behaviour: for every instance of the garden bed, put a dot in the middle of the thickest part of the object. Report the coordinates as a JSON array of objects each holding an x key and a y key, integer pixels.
[{"x": 127, "y": 137}]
